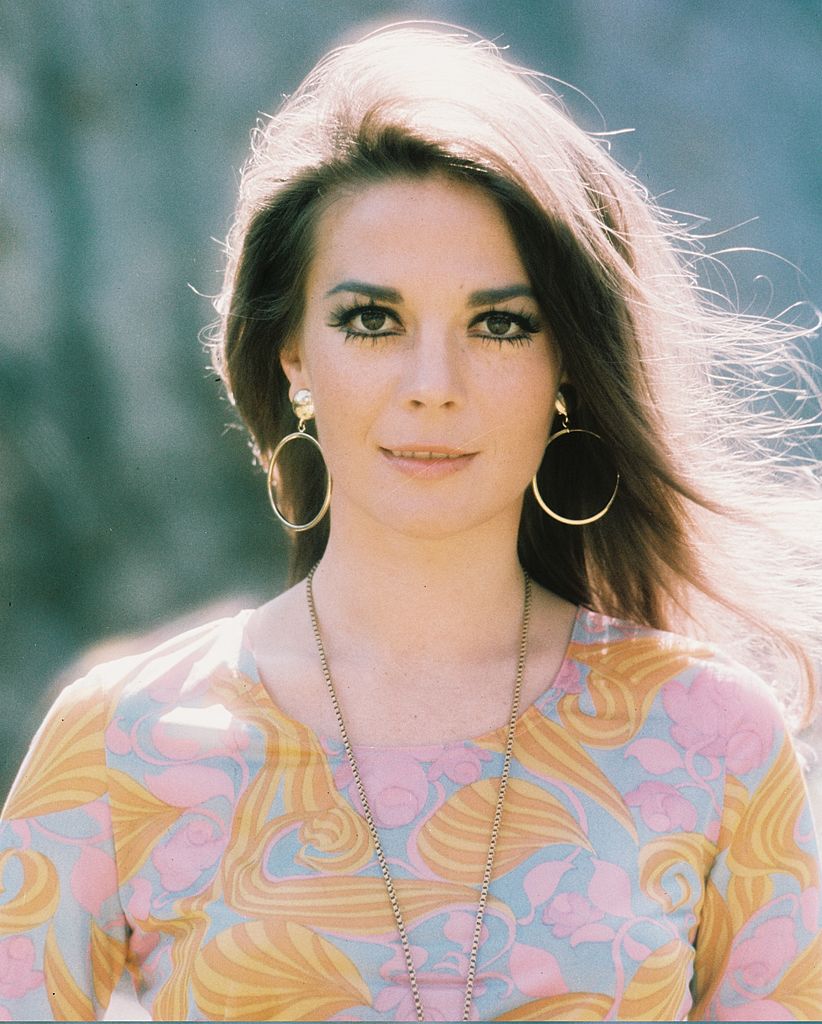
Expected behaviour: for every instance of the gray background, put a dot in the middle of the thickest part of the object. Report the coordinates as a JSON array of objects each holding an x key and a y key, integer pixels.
[{"x": 124, "y": 501}]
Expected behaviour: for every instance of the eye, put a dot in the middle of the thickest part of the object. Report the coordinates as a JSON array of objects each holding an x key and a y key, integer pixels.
[
  {"x": 501, "y": 325},
  {"x": 372, "y": 319},
  {"x": 365, "y": 321}
]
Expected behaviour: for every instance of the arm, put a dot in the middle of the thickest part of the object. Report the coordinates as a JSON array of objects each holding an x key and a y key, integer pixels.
[
  {"x": 63, "y": 934},
  {"x": 759, "y": 944}
]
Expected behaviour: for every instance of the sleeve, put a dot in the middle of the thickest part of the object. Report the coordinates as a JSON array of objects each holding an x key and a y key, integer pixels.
[
  {"x": 63, "y": 934},
  {"x": 759, "y": 942}
]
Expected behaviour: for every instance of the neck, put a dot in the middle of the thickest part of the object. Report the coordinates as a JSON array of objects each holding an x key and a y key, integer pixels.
[{"x": 457, "y": 598}]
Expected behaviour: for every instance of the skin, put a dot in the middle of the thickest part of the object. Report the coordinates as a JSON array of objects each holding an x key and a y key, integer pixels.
[{"x": 419, "y": 593}]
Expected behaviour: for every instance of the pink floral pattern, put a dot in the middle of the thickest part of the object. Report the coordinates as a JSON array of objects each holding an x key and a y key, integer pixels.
[
  {"x": 569, "y": 913},
  {"x": 188, "y": 853},
  {"x": 190, "y": 822},
  {"x": 662, "y": 807},
  {"x": 713, "y": 716},
  {"x": 397, "y": 784},
  {"x": 17, "y": 973},
  {"x": 758, "y": 961}
]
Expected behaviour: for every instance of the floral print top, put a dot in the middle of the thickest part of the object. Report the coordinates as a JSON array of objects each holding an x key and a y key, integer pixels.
[{"x": 656, "y": 858}]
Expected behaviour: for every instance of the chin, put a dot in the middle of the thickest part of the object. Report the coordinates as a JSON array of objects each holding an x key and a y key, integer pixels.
[{"x": 436, "y": 523}]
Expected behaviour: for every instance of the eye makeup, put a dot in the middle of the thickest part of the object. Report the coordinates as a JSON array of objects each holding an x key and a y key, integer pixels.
[
  {"x": 526, "y": 324},
  {"x": 363, "y": 320},
  {"x": 366, "y": 318}
]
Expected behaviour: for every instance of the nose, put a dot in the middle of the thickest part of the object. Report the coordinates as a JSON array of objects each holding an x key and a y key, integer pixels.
[{"x": 432, "y": 374}]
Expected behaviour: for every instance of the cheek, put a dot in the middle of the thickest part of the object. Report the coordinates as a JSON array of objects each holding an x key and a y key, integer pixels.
[
  {"x": 532, "y": 431},
  {"x": 526, "y": 409},
  {"x": 345, "y": 401}
]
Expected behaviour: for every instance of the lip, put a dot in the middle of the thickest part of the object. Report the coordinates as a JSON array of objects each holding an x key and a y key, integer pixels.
[{"x": 406, "y": 458}]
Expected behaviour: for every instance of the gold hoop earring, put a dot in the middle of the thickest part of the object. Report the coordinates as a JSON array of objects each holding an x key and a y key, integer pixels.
[
  {"x": 567, "y": 431},
  {"x": 303, "y": 406}
]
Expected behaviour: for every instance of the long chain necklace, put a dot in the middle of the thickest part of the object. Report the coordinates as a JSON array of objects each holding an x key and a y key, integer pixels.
[{"x": 369, "y": 818}]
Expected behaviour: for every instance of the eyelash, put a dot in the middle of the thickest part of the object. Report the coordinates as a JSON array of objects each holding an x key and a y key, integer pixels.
[
  {"x": 527, "y": 323},
  {"x": 342, "y": 316}
]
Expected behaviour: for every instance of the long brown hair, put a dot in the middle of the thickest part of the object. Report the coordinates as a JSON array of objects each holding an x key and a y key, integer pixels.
[{"x": 649, "y": 358}]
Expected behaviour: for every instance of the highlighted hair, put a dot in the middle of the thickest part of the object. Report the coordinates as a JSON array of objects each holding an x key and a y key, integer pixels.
[{"x": 716, "y": 528}]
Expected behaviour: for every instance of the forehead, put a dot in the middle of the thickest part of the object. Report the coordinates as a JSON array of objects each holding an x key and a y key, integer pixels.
[{"x": 434, "y": 229}]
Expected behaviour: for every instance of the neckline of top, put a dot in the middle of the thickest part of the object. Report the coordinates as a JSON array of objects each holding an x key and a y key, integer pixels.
[{"x": 246, "y": 665}]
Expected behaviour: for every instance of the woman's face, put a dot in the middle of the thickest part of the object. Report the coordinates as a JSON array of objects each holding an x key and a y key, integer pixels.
[{"x": 432, "y": 368}]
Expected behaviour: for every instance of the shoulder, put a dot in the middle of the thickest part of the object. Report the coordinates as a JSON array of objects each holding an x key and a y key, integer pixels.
[
  {"x": 595, "y": 632},
  {"x": 66, "y": 765},
  {"x": 637, "y": 654},
  {"x": 675, "y": 687},
  {"x": 179, "y": 669}
]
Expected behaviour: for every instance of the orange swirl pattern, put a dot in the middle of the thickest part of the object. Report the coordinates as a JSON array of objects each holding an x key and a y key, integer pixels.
[
  {"x": 612, "y": 879},
  {"x": 67, "y": 999},
  {"x": 800, "y": 990},
  {"x": 279, "y": 970},
  {"x": 138, "y": 818},
  {"x": 340, "y": 839},
  {"x": 334, "y": 836},
  {"x": 251, "y": 822},
  {"x": 550, "y": 752},
  {"x": 734, "y": 805},
  {"x": 713, "y": 949},
  {"x": 624, "y": 680},
  {"x": 108, "y": 957},
  {"x": 331, "y": 826},
  {"x": 38, "y": 895},
  {"x": 67, "y": 766},
  {"x": 454, "y": 842},
  {"x": 351, "y": 905},
  {"x": 690, "y": 852},
  {"x": 242, "y": 878},
  {"x": 172, "y": 1001},
  {"x": 309, "y": 786},
  {"x": 766, "y": 834},
  {"x": 746, "y": 895},
  {"x": 657, "y": 990}
]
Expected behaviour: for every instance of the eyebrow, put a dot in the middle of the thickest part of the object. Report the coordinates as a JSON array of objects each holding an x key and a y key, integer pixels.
[
  {"x": 373, "y": 291},
  {"x": 485, "y": 297},
  {"x": 490, "y": 296}
]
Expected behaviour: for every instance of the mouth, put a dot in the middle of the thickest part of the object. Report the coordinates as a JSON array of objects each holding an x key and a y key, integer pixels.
[
  {"x": 425, "y": 455},
  {"x": 427, "y": 462},
  {"x": 426, "y": 452}
]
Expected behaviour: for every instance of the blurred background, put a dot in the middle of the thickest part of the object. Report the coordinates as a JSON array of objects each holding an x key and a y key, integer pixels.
[{"x": 127, "y": 499}]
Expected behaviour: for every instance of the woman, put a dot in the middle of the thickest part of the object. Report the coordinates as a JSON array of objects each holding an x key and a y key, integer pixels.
[{"x": 459, "y": 769}]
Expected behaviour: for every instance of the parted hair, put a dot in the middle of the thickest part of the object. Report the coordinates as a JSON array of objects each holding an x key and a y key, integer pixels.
[{"x": 715, "y": 528}]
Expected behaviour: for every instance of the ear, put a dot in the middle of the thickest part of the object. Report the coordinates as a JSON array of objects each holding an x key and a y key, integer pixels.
[
  {"x": 561, "y": 398},
  {"x": 291, "y": 360}
]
